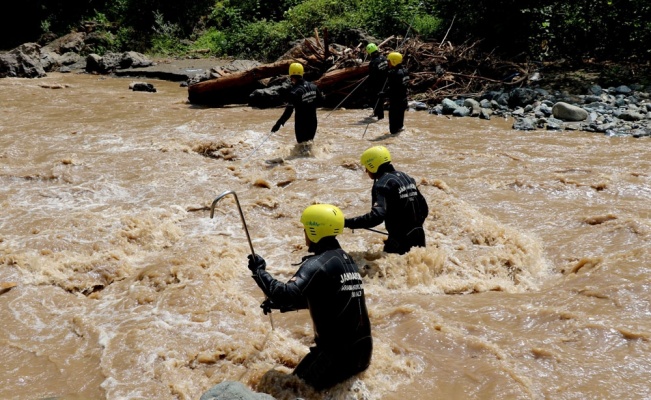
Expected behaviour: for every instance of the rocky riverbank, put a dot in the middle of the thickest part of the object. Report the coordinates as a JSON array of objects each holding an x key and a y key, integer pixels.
[
  {"x": 613, "y": 111},
  {"x": 540, "y": 102}
]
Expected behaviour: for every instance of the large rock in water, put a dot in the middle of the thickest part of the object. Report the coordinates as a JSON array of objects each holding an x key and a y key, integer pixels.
[
  {"x": 233, "y": 391},
  {"x": 110, "y": 62},
  {"x": 22, "y": 62},
  {"x": 568, "y": 112}
]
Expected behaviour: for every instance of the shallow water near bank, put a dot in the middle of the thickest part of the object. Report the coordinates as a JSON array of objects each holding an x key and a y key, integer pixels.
[{"x": 534, "y": 283}]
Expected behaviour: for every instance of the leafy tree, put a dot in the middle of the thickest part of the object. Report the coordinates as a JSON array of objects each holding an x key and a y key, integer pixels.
[{"x": 519, "y": 29}]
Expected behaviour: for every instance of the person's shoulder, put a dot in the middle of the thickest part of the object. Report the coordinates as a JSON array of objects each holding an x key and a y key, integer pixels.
[
  {"x": 395, "y": 174},
  {"x": 310, "y": 262},
  {"x": 403, "y": 173}
]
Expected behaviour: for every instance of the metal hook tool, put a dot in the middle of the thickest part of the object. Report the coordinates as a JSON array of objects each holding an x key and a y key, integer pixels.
[
  {"x": 239, "y": 207},
  {"x": 248, "y": 237}
]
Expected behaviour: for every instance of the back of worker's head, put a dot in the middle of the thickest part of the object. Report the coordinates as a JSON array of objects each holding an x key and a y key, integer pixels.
[
  {"x": 371, "y": 48},
  {"x": 322, "y": 220},
  {"x": 394, "y": 58},
  {"x": 296, "y": 70},
  {"x": 375, "y": 156}
]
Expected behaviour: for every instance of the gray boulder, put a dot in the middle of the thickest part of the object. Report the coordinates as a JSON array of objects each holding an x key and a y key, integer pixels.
[
  {"x": 631, "y": 115},
  {"x": 271, "y": 96},
  {"x": 142, "y": 87},
  {"x": 521, "y": 97},
  {"x": 22, "y": 62},
  {"x": 132, "y": 59},
  {"x": 473, "y": 105},
  {"x": 569, "y": 112},
  {"x": 70, "y": 43},
  {"x": 449, "y": 106},
  {"x": 524, "y": 124},
  {"x": 110, "y": 62},
  {"x": 230, "y": 390}
]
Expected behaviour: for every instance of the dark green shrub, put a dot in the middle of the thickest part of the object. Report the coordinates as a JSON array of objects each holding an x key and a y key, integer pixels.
[
  {"x": 261, "y": 40},
  {"x": 167, "y": 39},
  {"x": 212, "y": 40}
]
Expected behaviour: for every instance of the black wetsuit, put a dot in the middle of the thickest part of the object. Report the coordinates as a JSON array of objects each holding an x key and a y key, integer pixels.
[
  {"x": 397, "y": 93},
  {"x": 329, "y": 285},
  {"x": 398, "y": 202},
  {"x": 377, "y": 80},
  {"x": 305, "y": 96}
]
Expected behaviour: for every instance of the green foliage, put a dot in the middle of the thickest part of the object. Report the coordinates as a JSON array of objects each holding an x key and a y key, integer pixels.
[
  {"x": 259, "y": 10},
  {"x": 342, "y": 30},
  {"x": 123, "y": 39},
  {"x": 427, "y": 26},
  {"x": 167, "y": 37},
  {"x": 100, "y": 18},
  {"x": 384, "y": 18},
  {"x": 223, "y": 16},
  {"x": 213, "y": 40},
  {"x": 45, "y": 26},
  {"x": 260, "y": 40},
  {"x": 311, "y": 14},
  {"x": 520, "y": 29}
]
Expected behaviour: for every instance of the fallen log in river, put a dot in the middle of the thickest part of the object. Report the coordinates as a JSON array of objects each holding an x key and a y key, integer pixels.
[{"x": 436, "y": 70}]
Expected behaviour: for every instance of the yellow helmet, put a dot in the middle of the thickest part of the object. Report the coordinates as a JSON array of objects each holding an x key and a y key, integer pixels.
[
  {"x": 296, "y": 69},
  {"x": 321, "y": 220},
  {"x": 375, "y": 156},
  {"x": 394, "y": 58}
]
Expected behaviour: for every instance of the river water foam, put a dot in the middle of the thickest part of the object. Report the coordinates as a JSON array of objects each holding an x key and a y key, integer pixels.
[{"x": 534, "y": 283}]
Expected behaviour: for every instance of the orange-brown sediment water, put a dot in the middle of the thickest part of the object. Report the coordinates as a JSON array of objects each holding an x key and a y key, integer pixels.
[{"x": 115, "y": 283}]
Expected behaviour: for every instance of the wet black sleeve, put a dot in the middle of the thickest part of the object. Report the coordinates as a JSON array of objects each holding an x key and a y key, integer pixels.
[
  {"x": 288, "y": 296},
  {"x": 377, "y": 214},
  {"x": 286, "y": 114}
]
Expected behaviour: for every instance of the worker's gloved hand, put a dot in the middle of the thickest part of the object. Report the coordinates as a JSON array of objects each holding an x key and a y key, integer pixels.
[
  {"x": 267, "y": 305},
  {"x": 276, "y": 127},
  {"x": 347, "y": 223},
  {"x": 256, "y": 263}
]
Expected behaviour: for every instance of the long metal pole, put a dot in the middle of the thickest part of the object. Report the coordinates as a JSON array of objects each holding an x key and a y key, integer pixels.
[
  {"x": 376, "y": 103},
  {"x": 376, "y": 231},
  {"x": 248, "y": 237},
  {"x": 257, "y": 147}
]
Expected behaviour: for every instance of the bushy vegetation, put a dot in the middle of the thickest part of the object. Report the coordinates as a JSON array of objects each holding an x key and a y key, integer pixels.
[
  {"x": 264, "y": 29},
  {"x": 544, "y": 29}
]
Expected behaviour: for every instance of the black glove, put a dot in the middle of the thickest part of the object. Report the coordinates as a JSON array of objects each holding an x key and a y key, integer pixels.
[
  {"x": 256, "y": 262},
  {"x": 267, "y": 305},
  {"x": 276, "y": 127},
  {"x": 347, "y": 223}
]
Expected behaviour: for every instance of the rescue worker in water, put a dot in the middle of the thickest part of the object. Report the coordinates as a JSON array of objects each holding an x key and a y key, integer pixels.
[
  {"x": 327, "y": 283},
  {"x": 377, "y": 79},
  {"x": 305, "y": 97},
  {"x": 396, "y": 201},
  {"x": 396, "y": 91}
]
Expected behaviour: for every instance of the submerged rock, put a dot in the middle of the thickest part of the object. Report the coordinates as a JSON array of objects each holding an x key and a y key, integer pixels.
[{"x": 230, "y": 390}]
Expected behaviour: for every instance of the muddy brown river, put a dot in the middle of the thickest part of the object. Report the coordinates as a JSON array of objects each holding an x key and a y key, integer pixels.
[{"x": 115, "y": 283}]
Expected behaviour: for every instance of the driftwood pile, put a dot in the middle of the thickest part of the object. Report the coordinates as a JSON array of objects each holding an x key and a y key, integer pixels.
[
  {"x": 436, "y": 71},
  {"x": 440, "y": 70}
]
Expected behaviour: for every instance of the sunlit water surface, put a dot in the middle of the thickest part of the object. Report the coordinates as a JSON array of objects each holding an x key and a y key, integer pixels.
[{"x": 117, "y": 284}]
